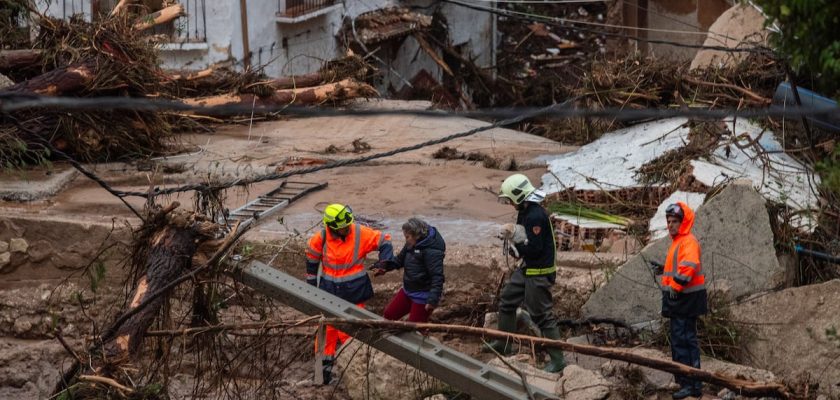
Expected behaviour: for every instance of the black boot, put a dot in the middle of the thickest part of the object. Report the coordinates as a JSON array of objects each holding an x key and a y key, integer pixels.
[
  {"x": 558, "y": 360},
  {"x": 327, "y": 366},
  {"x": 507, "y": 323}
]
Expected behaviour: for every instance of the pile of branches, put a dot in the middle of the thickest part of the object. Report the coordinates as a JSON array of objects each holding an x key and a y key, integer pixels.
[
  {"x": 637, "y": 83},
  {"x": 115, "y": 56}
]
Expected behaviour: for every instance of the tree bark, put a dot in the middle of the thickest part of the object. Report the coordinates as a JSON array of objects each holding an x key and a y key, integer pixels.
[
  {"x": 14, "y": 59},
  {"x": 159, "y": 17},
  {"x": 170, "y": 256},
  {"x": 344, "y": 90},
  {"x": 70, "y": 79},
  {"x": 740, "y": 386},
  {"x": 297, "y": 81}
]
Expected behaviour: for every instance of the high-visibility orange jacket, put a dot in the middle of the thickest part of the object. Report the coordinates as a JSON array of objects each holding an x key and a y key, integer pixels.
[
  {"x": 683, "y": 272},
  {"x": 342, "y": 271}
]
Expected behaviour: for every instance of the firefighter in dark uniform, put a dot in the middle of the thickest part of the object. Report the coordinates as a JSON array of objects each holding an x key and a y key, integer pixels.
[{"x": 530, "y": 285}]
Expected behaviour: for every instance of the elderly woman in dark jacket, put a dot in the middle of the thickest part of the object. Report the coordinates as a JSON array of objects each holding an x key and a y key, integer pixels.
[{"x": 422, "y": 261}]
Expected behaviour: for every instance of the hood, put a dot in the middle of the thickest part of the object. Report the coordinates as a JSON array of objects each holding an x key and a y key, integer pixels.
[
  {"x": 688, "y": 219},
  {"x": 432, "y": 240}
]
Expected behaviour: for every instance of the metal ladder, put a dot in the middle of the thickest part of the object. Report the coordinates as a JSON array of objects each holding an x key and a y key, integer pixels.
[
  {"x": 424, "y": 353},
  {"x": 270, "y": 203}
]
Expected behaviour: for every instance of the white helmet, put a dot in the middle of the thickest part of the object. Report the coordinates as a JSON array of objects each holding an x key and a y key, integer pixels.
[{"x": 516, "y": 188}]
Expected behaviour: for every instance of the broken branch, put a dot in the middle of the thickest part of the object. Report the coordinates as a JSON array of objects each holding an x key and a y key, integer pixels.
[
  {"x": 741, "y": 386},
  {"x": 106, "y": 381},
  {"x": 739, "y": 89},
  {"x": 159, "y": 17}
]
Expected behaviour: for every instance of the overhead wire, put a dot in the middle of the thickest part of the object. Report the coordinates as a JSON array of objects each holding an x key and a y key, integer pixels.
[{"x": 15, "y": 102}]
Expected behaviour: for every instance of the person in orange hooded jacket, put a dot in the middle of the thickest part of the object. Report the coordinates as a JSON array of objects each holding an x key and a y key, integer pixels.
[{"x": 683, "y": 294}]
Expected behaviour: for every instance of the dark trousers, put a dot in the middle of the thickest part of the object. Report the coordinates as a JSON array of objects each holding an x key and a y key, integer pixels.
[
  {"x": 401, "y": 305},
  {"x": 534, "y": 293},
  {"x": 685, "y": 348}
]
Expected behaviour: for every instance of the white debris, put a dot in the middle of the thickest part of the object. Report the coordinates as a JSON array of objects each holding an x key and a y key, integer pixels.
[
  {"x": 775, "y": 174},
  {"x": 658, "y": 228},
  {"x": 612, "y": 161}
]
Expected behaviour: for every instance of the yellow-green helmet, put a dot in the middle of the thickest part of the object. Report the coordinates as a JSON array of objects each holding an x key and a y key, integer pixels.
[
  {"x": 337, "y": 216},
  {"x": 516, "y": 188}
]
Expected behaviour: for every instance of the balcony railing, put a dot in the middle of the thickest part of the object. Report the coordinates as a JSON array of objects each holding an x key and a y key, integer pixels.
[{"x": 296, "y": 8}]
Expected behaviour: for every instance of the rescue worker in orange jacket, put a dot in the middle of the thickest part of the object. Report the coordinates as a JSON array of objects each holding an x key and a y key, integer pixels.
[
  {"x": 335, "y": 263},
  {"x": 683, "y": 294}
]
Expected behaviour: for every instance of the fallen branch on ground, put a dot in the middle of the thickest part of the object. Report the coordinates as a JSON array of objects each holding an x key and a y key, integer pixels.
[
  {"x": 343, "y": 90},
  {"x": 739, "y": 386},
  {"x": 106, "y": 381}
]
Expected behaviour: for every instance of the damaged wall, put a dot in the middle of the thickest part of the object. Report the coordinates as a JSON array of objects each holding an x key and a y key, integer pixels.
[{"x": 677, "y": 21}]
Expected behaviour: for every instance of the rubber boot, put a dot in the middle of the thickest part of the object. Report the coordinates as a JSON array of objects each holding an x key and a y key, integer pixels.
[
  {"x": 558, "y": 361},
  {"x": 327, "y": 369},
  {"x": 507, "y": 323}
]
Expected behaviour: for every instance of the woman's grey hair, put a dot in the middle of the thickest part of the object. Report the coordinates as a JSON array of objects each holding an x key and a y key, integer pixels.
[{"x": 416, "y": 227}]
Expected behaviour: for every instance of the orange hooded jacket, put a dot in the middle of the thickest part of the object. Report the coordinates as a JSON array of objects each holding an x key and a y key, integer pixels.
[{"x": 683, "y": 272}]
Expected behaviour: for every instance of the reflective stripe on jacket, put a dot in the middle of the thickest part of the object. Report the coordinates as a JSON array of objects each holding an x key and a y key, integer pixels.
[
  {"x": 342, "y": 260},
  {"x": 683, "y": 273}
]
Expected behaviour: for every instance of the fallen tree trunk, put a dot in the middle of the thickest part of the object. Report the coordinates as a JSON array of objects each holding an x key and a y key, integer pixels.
[
  {"x": 297, "y": 81},
  {"x": 739, "y": 386},
  {"x": 14, "y": 59},
  {"x": 170, "y": 256},
  {"x": 159, "y": 17},
  {"x": 58, "y": 81},
  {"x": 344, "y": 90}
]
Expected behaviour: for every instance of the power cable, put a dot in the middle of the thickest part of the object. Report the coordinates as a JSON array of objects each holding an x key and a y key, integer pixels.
[{"x": 15, "y": 102}]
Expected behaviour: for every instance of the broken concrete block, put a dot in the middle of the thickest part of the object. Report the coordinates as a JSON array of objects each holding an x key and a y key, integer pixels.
[
  {"x": 739, "y": 24},
  {"x": 4, "y": 246},
  {"x": 798, "y": 321},
  {"x": 5, "y": 259},
  {"x": 18, "y": 245},
  {"x": 737, "y": 247},
  {"x": 583, "y": 384}
]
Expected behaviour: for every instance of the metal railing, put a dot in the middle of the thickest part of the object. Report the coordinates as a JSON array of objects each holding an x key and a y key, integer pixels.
[
  {"x": 69, "y": 8},
  {"x": 295, "y": 8},
  {"x": 190, "y": 28}
]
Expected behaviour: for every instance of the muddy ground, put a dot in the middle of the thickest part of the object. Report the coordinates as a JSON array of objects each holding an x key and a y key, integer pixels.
[{"x": 457, "y": 196}]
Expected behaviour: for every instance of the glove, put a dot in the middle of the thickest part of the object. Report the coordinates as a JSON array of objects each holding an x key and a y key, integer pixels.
[
  {"x": 656, "y": 267},
  {"x": 385, "y": 265}
]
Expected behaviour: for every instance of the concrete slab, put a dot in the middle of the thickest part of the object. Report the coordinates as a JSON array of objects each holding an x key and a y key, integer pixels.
[
  {"x": 35, "y": 184},
  {"x": 734, "y": 233}
]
